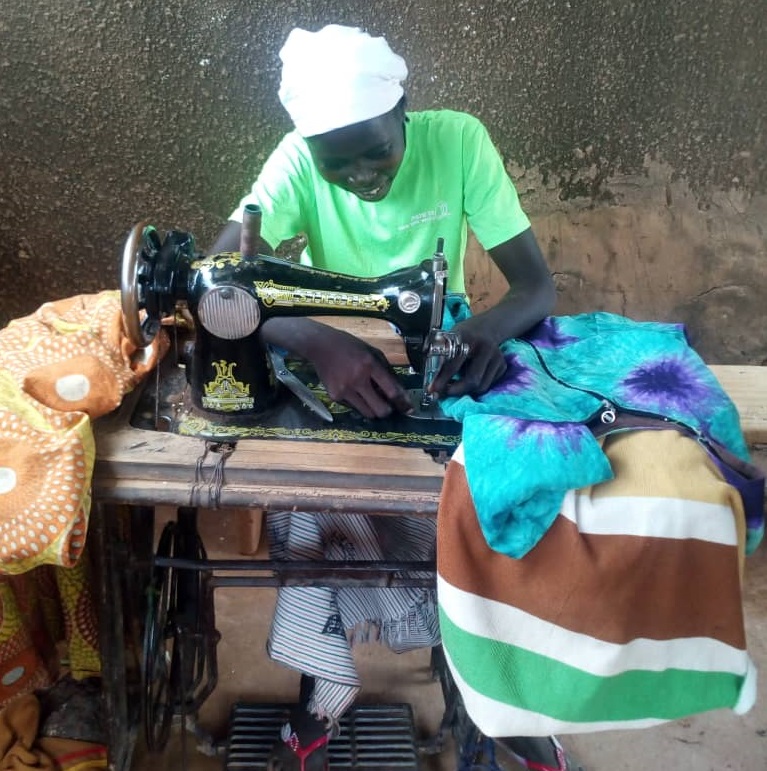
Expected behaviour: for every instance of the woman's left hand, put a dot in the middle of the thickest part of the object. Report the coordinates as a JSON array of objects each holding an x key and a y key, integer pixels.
[
  {"x": 477, "y": 370},
  {"x": 530, "y": 298}
]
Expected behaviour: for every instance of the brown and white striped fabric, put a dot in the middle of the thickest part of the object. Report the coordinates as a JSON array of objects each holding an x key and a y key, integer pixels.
[{"x": 626, "y": 614}]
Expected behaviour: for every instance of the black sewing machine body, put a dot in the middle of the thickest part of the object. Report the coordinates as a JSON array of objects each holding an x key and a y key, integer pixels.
[
  {"x": 230, "y": 296},
  {"x": 231, "y": 374}
]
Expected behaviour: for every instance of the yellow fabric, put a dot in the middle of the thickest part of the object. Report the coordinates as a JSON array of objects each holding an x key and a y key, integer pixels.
[
  {"x": 20, "y": 749},
  {"x": 18, "y": 730},
  {"x": 48, "y": 626}
]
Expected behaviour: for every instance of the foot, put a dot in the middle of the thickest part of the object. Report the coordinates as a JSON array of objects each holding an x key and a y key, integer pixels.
[
  {"x": 303, "y": 745},
  {"x": 542, "y": 753}
]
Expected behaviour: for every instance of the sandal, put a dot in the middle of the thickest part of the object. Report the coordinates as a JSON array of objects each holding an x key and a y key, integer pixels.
[
  {"x": 303, "y": 745},
  {"x": 539, "y": 753}
]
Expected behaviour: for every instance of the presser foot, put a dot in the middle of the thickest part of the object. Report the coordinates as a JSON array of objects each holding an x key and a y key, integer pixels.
[{"x": 421, "y": 411}]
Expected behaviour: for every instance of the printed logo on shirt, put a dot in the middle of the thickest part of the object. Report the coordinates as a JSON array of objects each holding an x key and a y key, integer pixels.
[
  {"x": 334, "y": 626},
  {"x": 439, "y": 212}
]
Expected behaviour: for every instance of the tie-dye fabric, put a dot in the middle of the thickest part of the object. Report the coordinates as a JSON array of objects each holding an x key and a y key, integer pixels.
[{"x": 528, "y": 441}]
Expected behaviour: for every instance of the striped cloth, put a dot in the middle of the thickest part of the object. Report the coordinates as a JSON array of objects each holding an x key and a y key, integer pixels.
[
  {"x": 626, "y": 614},
  {"x": 314, "y": 628}
]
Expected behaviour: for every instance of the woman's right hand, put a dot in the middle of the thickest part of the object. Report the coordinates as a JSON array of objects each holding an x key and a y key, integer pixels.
[
  {"x": 353, "y": 372},
  {"x": 358, "y": 374}
]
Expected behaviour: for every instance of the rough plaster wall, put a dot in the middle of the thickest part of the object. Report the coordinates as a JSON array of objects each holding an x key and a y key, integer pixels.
[
  {"x": 654, "y": 254},
  {"x": 634, "y": 130}
]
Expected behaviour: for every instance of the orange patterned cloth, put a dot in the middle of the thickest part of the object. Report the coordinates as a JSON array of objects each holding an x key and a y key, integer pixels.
[
  {"x": 60, "y": 367},
  {"x": 48, "y": 626}
]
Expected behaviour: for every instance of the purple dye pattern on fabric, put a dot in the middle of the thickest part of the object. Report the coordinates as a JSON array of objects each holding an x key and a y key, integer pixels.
[
  {"x": 518, "y": 377},
  {"x": 547, "y": 334},
  {"x": 556, "y": 437},
  {"x": 670, "y": 383},
  {"x": 748, "y": 480}
]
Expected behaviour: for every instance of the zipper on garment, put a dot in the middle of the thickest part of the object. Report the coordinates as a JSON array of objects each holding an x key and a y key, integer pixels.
[
  {"x": 608, "y": 410},
  {"x": 607, "y": 416}
]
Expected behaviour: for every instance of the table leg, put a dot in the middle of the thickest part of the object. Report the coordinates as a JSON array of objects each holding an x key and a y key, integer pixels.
[
  {"x": 249, "y": 525},
  {"x": 106, "y": 530}
]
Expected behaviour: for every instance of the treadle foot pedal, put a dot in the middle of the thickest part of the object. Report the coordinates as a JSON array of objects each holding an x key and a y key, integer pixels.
[{"x": 373, "y": 737}]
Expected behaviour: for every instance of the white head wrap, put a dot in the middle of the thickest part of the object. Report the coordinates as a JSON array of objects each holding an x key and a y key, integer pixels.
[{"x": 338, "y": 76}]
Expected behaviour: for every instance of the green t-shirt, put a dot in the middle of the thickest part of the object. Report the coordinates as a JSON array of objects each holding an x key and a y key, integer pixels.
[{"x": 451, "y": 175}]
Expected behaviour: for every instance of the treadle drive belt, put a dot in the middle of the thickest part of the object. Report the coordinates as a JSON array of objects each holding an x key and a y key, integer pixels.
[{"x": 373, "y": 737}]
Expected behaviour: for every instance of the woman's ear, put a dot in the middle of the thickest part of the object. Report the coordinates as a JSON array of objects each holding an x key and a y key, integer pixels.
[{"x": 399, "y": 109}]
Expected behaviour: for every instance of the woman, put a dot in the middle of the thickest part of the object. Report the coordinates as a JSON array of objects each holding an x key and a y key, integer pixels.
[{"x": 371, "y": 188}]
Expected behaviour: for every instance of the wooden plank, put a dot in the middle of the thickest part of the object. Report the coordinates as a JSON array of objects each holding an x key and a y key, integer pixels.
[
  {"x": 139, "y": 466},
  {"x": 747, "y": 387},
  {"x": 119, "y": 446},
  {"x": 138, "y": 491}
]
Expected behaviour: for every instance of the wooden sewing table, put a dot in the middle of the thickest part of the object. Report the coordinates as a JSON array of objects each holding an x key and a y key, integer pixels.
[
  {"x": 140, "y": 469},
  {"x": 137, "y": 470}
]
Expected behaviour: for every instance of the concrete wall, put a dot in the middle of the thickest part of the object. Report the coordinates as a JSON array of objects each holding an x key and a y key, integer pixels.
[{"x": 635, "y": 132}]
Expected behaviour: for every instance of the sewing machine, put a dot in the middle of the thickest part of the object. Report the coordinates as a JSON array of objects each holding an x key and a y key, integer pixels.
[
  {"x": 232, "y": 386},
  {"x": 232, "y": 374},
  {"x": 137, "y": 470}
]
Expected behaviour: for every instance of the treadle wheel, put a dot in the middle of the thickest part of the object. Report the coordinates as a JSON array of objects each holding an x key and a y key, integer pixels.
[
  {"x": 179, "y": 656},
  {"x": 158, "y": 695},
  {"x": 142, "y": 237}
]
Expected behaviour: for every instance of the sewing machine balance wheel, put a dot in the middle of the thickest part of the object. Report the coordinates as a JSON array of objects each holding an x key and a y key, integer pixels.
[{"x": 143, "y": 238}]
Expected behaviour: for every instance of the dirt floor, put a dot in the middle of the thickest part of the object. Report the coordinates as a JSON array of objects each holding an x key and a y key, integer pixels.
[{"x": 719, "y": 741}]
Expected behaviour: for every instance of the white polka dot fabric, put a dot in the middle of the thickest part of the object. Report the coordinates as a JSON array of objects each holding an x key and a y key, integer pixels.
[{"x": 61, "y": 367}]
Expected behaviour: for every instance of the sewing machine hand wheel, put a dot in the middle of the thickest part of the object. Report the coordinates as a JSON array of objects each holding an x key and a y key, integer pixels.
[{"x": 142, "y": 245}]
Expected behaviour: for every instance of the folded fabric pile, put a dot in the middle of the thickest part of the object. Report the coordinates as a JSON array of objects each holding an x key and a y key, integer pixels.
[
  {"x": 60, "y": 367},
  {"x": 591, "y": 535},
  {"x": 626, "y": 614},
  {"x": 529, "y": 439}
]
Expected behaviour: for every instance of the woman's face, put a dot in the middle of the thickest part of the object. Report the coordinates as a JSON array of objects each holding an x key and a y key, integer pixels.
[{"x": 362, "y": 158}]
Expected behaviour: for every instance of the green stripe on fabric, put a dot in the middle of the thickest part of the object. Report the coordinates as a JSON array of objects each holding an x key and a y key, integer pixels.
[{"x": 512, "y": 675}]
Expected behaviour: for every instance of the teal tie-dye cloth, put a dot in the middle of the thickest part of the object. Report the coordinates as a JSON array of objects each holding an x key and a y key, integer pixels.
[{"x": 526, "y": 441}]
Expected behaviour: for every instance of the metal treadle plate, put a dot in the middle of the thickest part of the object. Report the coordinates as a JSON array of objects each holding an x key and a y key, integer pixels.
[{"x": 373, "y": 737}]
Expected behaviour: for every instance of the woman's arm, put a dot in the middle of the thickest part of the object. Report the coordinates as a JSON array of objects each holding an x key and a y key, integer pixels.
[
  {"x": 530, "y": 298},
  {"x": 352, "y": 371}
]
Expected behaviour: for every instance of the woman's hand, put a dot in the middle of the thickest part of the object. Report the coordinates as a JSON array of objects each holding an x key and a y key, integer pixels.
[
  {"x": 478, "y": 369},
  {"x": 352, "y": 371},
  {"x": 530, "y": 298},
  {"x": 358, "y": 374}
]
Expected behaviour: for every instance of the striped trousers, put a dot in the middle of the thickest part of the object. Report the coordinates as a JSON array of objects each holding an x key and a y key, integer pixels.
[{"x": 314, "y": 628}]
